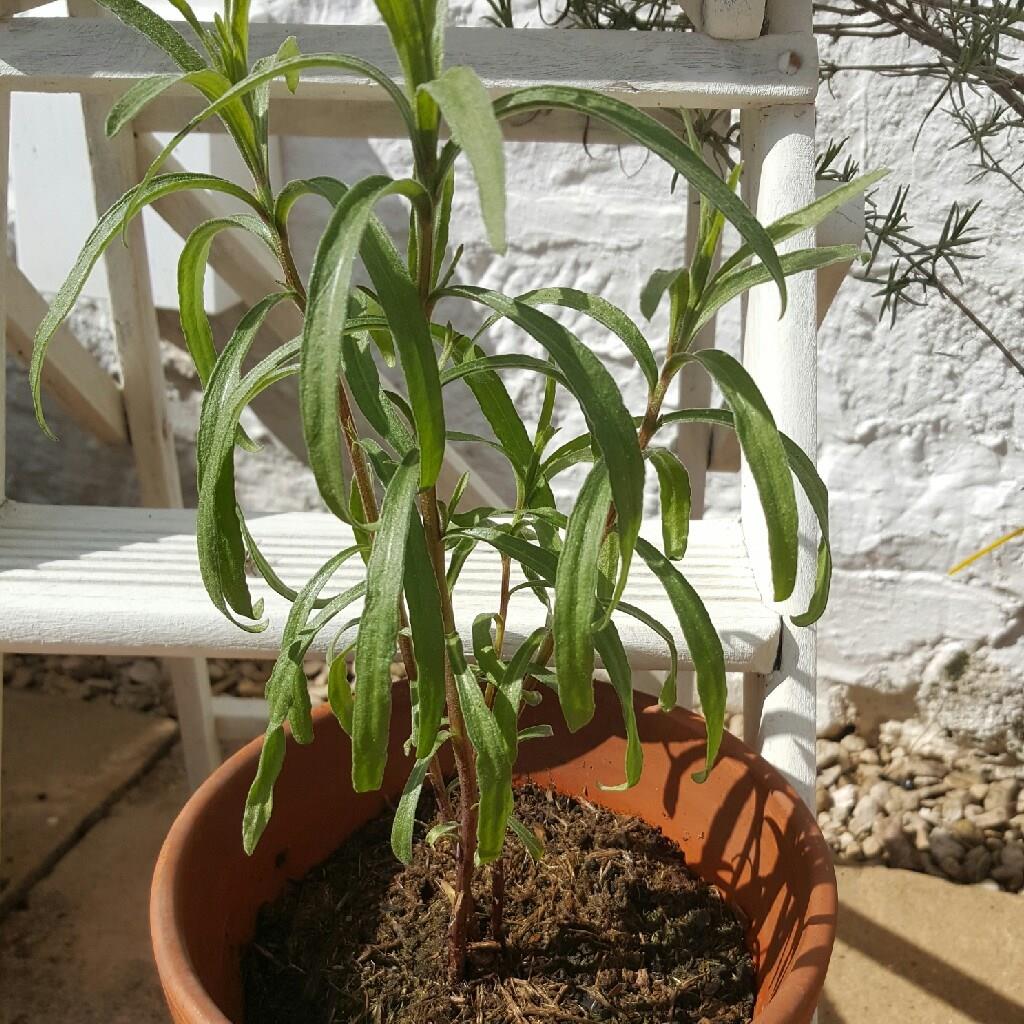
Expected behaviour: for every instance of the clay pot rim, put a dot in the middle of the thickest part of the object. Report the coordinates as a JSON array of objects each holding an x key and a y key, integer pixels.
[{"x": 795, "y": 998}]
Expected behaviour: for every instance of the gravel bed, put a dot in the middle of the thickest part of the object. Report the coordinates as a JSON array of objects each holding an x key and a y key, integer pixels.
[
  {"x": 913, "y": 800},
  {"x": 140, "y": 684}
]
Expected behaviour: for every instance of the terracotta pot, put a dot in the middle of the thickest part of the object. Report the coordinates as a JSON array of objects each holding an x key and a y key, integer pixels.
[{"x": 744, "y": 830}]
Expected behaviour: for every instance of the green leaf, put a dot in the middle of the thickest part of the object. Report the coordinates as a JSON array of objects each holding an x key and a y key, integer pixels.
[
  {"x": 259, "y": 803},
  {"x": 604, "y": 313},
  {"x": 528, "y": 555},
  {"x": 192, "y": 264},
  {"x": 485, "y": 364},
  {"x": 534, "y": 847},
  {"x": 99, "y": 238},
  {"x": 405, "y": 815},
  {"x": 726, "y": 286},
  {"x": 652, "y": 292},
  {"x": 763, "y": 449},
  {"x": 576, "y": 598},
  {"x": 493, "y": 765},
  {"x": 536, "y": 732},
  {"x": 288, "y": 49},
  {"x": 360, "y": 372},
  {"x": 129, "y": 105},
  {"x": 487, "y": 658},
  {"x": 378, "y": 629},
  {"x": 424, "y": 602},
  {"x": 600, "y": 398},
  {"x": 218, "y": 532},
  {"x": 287, "y": 695},
  {"x": 467, "y": 109},
  {"x": 813, "y": 486},
  {"x": 703, "y": 641},
  {"x": 229, "y": 99},
  {"x": 808, "y": 216},
  {"x": 440, "y": 831},
  {"x": 339, "y": 693},
  {"x": 162, "y": 33},
  {"x": 616, "y": 664},
  {"x": 499, "y": 410},
  {"x": 674, "y": 490},
  {"x": 668, "y": 696},
  {"x": 508, "y": 696},
  {"x": 661, "y": 141},
  {"x": 326, "y": 314}
]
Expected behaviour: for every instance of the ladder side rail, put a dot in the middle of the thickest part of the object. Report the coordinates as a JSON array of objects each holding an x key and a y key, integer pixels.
[
  {"x": 114, "y": 171},
  {"x": 781, "y": 355}
]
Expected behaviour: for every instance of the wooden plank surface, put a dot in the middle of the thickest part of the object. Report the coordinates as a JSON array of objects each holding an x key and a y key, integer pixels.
[
  {"x": 127, "y": 580},
  {"x": 71, "y": 374},
  {"x": 647, "y": 69}
]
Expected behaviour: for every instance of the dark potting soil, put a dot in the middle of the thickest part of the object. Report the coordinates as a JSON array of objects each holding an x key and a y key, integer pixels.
[{"x": 609, "y": 926}]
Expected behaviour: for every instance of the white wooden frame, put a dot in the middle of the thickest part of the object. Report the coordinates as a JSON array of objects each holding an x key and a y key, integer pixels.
[{"x": 52, "y": 560}]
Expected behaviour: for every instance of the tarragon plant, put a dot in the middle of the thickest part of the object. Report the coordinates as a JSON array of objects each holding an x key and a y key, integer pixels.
[{"x": 382, "y": 482}]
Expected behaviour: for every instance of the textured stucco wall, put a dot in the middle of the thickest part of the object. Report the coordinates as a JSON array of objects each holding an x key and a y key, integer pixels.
[{"x": 919, "y": 425}]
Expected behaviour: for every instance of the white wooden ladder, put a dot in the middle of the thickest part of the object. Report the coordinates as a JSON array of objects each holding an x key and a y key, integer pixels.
[{"x": 126, "y": 580}]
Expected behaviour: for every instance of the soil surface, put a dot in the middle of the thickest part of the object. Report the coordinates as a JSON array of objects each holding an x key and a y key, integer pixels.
[{"x": 609, "y": 926}]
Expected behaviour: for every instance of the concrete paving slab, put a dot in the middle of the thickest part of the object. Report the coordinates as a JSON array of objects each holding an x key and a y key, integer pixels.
[
  {"x": 64, "y": 763},
  {"x": 913, "y": 949},
  {"x": 76, "y": 950}
]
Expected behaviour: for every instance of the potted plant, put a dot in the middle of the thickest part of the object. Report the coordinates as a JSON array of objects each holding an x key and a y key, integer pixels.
[{"x": 470, "y": 725}]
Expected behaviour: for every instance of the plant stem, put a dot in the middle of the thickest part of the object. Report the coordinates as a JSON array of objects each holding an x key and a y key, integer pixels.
[{"x": 461, "y": 747}]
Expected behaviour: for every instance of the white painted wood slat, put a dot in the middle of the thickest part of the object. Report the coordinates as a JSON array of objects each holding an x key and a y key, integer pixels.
[
  {"x": 650, "y": 69},
  {"x": 71, "y": 373},
  {"x": 127, "y": 581}
]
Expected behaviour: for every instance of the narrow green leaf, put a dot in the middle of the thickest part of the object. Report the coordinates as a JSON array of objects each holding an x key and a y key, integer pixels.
[
  {"x": 440, "y": 831},
  {"x": 703, "y": 642},
  {"x": 133, "y": 101},
  {"x": 602, "y": 312},
  {"x": 286, "y": 686},
  {"x": 287, "y": 69},
  {"x": 576, "y": 598},
  {"x": 813, "y": 486},
  {"x": 339, "y": 693},
  {"x": 99, "y": 238},
  {"x": 360, "y": 372},
  {"x": 487, "y": 658},
  {"x": 218, "y": 533},
  {"x": 162, "y": 33},
  {"x": 378, "y": 629},
  {"x": 674, "y": 490},
  {"x": 425, "y": 622},
  {"x": 536, "y": 732},
  {"x": 405, "y": 814},
  {"x": 493, "y": 765},
  {"x": 467, "y": 109},
  {"x": 652, "y": 292},
  {"x": 809, "y": 216},
  {"x": 512, "y": 361},
  {"x": 661, "y": 141},
  {"x": 726, "y": 286},
  {"x": 600, "y": 398},
  {"x": 534, "y": 847},
  {"x": 192, "y": 264},
  {"x": 508, "y": 697},
  {"x": 668, "y": 696},
  {"x": 326, "y": 313},
  {"x": 763, "y": 449},
  {"x": 259, "y": 803},
  {"x": 616, "y": 664}
]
